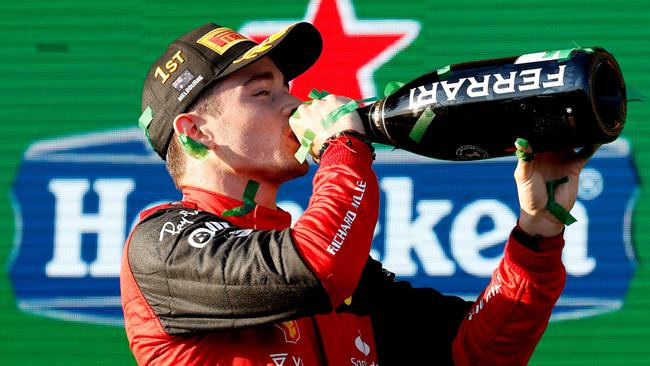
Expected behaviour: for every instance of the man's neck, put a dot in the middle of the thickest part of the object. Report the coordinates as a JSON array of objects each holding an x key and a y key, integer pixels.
[{"x": 234, "y": 186}]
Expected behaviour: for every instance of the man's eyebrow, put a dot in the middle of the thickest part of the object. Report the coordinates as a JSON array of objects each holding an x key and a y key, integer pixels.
[{"x": 266, "y": 75}]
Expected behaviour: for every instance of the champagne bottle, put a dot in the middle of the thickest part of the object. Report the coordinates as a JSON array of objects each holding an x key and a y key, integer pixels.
[{"x": 476, "y": 110}]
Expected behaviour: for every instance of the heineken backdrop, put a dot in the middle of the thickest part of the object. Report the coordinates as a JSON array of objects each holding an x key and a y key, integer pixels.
[{"x": 76, "y": 170}]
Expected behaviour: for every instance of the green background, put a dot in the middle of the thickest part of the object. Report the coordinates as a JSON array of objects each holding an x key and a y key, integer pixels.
[{"x": 76, "y": 66}]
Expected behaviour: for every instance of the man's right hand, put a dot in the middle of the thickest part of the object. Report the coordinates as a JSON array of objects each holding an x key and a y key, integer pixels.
[{"x": 309, "y": 116}]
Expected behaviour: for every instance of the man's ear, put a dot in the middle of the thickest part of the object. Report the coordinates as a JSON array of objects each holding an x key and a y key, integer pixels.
[{"x": 188, "y": 124}]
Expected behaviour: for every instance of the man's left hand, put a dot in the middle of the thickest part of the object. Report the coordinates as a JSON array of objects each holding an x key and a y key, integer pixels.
[{"x": 531, "y": 177}]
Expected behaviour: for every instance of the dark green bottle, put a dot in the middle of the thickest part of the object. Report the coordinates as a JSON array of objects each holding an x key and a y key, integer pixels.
[{"x": 476, "y": 110}]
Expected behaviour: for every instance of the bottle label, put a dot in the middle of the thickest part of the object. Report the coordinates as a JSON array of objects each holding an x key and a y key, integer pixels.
[{"x": 513, "y": 80}]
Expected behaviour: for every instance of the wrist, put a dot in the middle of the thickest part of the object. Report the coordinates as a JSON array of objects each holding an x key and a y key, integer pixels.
[
  {"x": 345, "y": 136},
  {"x": 536, "y": 242},
  {"x": 543, "y": 224}
]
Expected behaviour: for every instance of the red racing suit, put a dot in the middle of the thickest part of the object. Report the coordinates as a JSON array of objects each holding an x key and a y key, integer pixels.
[{"x": 202, "y": 289}]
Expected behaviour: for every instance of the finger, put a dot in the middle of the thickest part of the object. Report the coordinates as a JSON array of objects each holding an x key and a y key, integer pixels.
[
  {"x": 525, "y": 158},
  {"x": 295, "y": 114},
  {"x": 524, "y": 151},
  {"x": 295, "y": 122},
  {"x": 298, "y": 122}
]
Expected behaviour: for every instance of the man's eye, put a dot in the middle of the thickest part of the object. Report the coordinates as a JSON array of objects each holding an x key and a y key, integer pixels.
[{"x": 261, "y": 93}]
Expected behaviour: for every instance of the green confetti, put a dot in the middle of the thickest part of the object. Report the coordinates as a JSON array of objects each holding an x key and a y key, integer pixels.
[
  {"x": 315, "y": 94},
  {"x": 306, "y": 141},
  {"x": 549, "y": 54},
  {"x": 392, "y": 87},
  {"x": 421, "y": 125},
  {"x": 193, "y": 148},
  {"x": 564, "y": 54},
  {"x": 633, "y": 95},
  {"x": 339, "y": 112},
  {"x": 583, "y": 49},
  {"x": 249, "y": 201},
  {"x": 444, "y": 72},
  {"x": 367, "y": 100},
  {"x": 145, "y": 118},
  {"x": 522, "y": 142},
  {"x": 524, "y": 155},
  {"x": 555, "y": 208}
]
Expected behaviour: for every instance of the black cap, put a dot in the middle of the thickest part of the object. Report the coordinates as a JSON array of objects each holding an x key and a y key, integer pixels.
[{"x": 206, "y": 54}]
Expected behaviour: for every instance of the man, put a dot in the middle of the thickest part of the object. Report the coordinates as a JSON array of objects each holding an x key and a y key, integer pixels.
[{"x": 220, "y": 278}]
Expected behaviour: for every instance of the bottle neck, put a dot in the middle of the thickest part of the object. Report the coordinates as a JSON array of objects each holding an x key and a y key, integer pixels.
[{"x": 372, "y": 123}]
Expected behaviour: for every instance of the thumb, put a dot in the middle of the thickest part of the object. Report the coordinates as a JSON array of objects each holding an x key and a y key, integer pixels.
[{"x": 525, "y": 157}]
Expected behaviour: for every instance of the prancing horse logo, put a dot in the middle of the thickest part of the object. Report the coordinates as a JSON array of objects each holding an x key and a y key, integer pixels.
[{"x": 290, "y": 330}]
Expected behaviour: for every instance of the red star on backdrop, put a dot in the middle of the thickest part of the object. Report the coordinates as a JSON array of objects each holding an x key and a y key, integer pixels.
[{"x": 352, "y": 49}]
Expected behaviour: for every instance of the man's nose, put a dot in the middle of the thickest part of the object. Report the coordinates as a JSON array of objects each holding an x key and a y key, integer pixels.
[{"x": 290, "y": 105}]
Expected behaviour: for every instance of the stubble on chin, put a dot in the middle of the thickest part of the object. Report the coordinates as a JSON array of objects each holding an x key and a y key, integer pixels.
[{"x": 292, "y": 170}]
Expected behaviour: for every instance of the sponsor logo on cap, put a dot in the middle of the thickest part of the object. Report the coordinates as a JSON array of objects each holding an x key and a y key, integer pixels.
[
  {"x": 262, "y": 47},
  {"x": 221, "y": 39}
]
